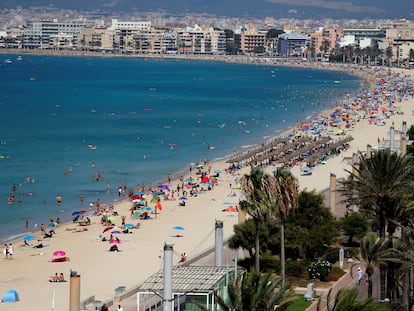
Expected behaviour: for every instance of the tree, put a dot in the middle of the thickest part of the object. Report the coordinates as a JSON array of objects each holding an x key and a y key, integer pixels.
[
  {"x": 244, "y": 236},
  {"x": 259, "y": 49},
  {"x": 379, "y": 185},
  {"x": 411, "y": 55},
  {"x": 256, "y": 202},
  {"x": 274, "y": 33},
  {"x": 372, "y": 249},
  {"x": 286, "y": 188},
  {"x": 389, "y": 54},
  {"x": 254, "y": 291},
  {"x": 382, "y": 189},
  {"x": 346, "y": 300},
  {"x": 310, "y": 228},
  {"x": 354, "y": 225}
]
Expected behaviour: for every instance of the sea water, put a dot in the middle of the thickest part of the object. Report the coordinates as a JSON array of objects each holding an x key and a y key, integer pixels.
[{"x": 64, "y": 119}]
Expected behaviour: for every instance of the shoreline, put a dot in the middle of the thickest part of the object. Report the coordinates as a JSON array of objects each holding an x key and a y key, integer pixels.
[
  {"x": 182, "y": 169},
  {"x": 142, "y": 248}
]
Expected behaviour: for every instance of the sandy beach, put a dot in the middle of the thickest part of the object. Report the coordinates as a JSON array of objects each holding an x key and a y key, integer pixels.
[{"x": 140, "y": 253}]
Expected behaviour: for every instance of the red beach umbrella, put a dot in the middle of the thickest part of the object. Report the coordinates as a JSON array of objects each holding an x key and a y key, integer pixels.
[
  {"x": 59, "y": 253},
  {"x": 107, "y": 229}
]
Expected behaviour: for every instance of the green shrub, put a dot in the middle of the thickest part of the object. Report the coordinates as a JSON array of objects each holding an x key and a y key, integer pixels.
[
  {"x": 351, "y": 252},
  {"x": 295, "y": 268},
  {"x": 319, "y": 269},
  {"x": 331, "y": 254},
  {"x": 269, "y": 263}
]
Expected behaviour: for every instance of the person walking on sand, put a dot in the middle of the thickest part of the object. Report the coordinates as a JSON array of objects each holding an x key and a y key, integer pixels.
[
  {"x": 119, "y": 308},
  {"x": 6, "y": 251},
  {"x": 11, "y": 250}
]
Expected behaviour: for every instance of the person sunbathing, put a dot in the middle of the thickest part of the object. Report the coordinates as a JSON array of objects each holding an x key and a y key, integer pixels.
[
  {"x": 54, "y": 278},
  {"x": 61, "y": 278}
]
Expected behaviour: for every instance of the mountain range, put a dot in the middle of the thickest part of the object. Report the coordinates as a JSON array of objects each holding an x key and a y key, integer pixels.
[{"x": 315, "y": 9}]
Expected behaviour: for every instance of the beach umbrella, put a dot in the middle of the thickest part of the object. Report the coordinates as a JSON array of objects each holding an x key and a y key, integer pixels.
[
  {"x": 164, "y": 187},
  {"x": 114, "y": 242},
  {"x": 208, "y": 184},
  {"x": 107, "y": 229},
  {"x": 116, "y": 232},
  {"x": 129, "y": 226},
  {"x": 111, "y": 218},
  {"x": 136, "y": 201},
  {"x": 158, "y": 205},
  {"x": 59, "y": 253},
  {"x": 183, "y": 198},
  {"x": 145, "y": 208},
  {"x": 230, "y": 209},
  {"x": 77, "y": 213},
  {"x": 156, "y": 193},
  {"x": 139, "y": 193},
  {"x": 28, "y": 238},
  {"x": 178, "y": 228},
  {"x": 155, "y": 199}
]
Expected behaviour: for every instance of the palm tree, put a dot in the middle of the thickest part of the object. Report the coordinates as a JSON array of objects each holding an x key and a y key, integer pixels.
[
  {"x": 286, "y": 189},
  {"x": 254, "y": 291},
  {"x": 372, "y": 250},
  {"x": 381, "y": 188},
  {"x": 256, "y": 203},
  {"x": 346, "y": 300}
]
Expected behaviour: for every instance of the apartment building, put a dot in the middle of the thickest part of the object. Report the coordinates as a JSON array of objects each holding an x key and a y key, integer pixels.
[{"x": 45, "y": 34}]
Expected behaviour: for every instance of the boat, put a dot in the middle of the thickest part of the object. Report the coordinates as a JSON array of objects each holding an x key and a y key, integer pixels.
[
  {"x": 92, "y": 147},
  {"x": 32, "y": 79},
  {"x": 8, "y": 61}
]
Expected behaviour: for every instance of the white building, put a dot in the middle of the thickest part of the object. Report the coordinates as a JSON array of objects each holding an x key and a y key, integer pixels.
[
  {"x": 347, "y": 40},
  {"x": 117, "y": 25}
]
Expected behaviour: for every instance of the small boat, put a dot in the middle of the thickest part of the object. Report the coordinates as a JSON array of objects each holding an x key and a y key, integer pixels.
[
  {"x": 92, "y": 147},
  {"x": 32, "y": 79},
  {"x": 8, "y": 61}
]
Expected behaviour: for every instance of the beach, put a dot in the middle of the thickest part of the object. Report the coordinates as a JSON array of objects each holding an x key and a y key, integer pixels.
[{"x": 140, "y": 255}]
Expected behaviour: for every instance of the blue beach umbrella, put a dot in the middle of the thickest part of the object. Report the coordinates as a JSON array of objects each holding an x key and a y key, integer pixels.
[
  {"x": 129, "y": 226},
  {"x": 145, "y": 208},
  {"x": 164, "y": 187},
  {"x": 183, "y": 198},
  {"x": 28, "y": 237},
  {"x": 139, "y": 193},
  {"x": 180, "y": 228}
]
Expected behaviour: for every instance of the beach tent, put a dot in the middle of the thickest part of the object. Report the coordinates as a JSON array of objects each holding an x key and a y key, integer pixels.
[{"x": 10, "y": 296}]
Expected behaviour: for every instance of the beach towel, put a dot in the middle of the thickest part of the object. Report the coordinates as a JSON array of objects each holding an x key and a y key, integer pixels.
[{"x": 29, "y": 248}]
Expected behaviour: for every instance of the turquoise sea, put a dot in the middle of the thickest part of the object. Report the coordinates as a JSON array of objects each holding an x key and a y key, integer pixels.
[{"x": 146, "y": 118}]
